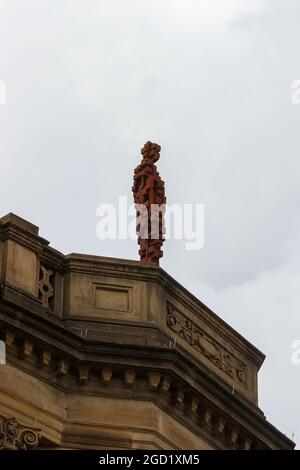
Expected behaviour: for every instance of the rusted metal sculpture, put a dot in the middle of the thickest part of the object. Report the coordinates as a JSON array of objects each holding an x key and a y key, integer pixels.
[{"x": 149, "y": 197}]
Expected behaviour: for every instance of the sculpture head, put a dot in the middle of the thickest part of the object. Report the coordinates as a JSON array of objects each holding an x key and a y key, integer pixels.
[{"x": 151, "y": 151}]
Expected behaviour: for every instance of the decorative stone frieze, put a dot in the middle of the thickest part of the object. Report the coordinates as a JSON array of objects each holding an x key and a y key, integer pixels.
[{"x": 207, "y": 346}]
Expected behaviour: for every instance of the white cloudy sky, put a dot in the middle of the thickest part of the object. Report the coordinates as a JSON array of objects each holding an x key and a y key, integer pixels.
[{"x": 89, "y": 81}]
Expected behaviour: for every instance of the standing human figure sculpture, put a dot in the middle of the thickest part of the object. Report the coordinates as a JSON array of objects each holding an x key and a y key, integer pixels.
[{"x": 149, "y": 193}]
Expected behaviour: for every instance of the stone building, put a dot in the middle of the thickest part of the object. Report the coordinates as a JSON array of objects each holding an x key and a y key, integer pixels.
[{"x": 105, "y": 353}]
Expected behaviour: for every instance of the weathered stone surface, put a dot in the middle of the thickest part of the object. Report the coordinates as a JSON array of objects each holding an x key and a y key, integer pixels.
[
  {"x": 20, "y": 266},
  {"x": 109, "y": 353}
]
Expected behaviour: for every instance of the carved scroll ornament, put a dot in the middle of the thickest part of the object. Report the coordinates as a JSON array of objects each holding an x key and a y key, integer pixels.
[
  {"x": 207, "y": 346},
  {"x": 15, "y": 436}
]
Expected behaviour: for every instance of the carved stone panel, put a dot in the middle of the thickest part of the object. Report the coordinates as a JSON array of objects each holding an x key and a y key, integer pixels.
[
  {"x": 207, "y": 346},
  {"x": 45, "y": 286},
  {"x": 20, "y": 266},
  {"x": 15, "y": 436},
  {"x": 113, "y": 297}
]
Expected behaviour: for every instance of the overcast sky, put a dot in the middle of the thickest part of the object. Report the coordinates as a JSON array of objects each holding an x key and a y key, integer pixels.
[{"x": 89, "y": 81}]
